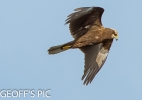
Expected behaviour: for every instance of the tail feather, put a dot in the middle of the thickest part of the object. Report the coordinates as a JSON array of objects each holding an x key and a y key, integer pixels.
[{"x": 60, "y": 48}]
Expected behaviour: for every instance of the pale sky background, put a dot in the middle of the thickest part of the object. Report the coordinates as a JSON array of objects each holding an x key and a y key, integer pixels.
[{"x": 29, "y": 27}]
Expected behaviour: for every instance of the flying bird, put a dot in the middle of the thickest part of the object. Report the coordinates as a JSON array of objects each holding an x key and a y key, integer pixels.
[{"x": 91, "y": 37}]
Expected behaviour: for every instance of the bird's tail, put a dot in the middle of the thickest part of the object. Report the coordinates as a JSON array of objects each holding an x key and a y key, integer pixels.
[{"x": 60, "y": 48}]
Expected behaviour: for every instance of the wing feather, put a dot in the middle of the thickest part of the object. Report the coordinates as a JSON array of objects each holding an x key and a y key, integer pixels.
[
  {"x": 95, "y": 57},
  {"x": 82, "y": 18}
]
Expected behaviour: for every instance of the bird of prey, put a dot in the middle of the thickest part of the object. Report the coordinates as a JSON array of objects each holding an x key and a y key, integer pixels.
[{"x": 91, "y": 37}]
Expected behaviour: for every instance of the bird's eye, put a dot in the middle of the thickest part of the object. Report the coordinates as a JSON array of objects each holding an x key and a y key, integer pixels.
[{"x": 115, "y": 34}]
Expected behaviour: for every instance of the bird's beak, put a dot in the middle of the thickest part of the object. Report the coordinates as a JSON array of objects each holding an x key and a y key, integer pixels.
[{"x": 116, "y": 37}]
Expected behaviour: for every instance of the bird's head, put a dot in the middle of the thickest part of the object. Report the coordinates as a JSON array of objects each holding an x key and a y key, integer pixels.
[{"x": 114, "y": 34}]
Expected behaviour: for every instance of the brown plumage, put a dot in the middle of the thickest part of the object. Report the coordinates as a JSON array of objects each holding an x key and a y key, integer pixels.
[{"x": 90, "y": 37}]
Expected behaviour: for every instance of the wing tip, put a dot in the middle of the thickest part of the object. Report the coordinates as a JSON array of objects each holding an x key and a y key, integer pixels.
[{"x": 86, "y": 79}]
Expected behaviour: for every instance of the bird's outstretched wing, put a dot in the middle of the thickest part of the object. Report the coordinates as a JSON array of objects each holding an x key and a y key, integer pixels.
[
  {"x": 95, "y": 57},
  {"x": 82, "y": 20}
]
